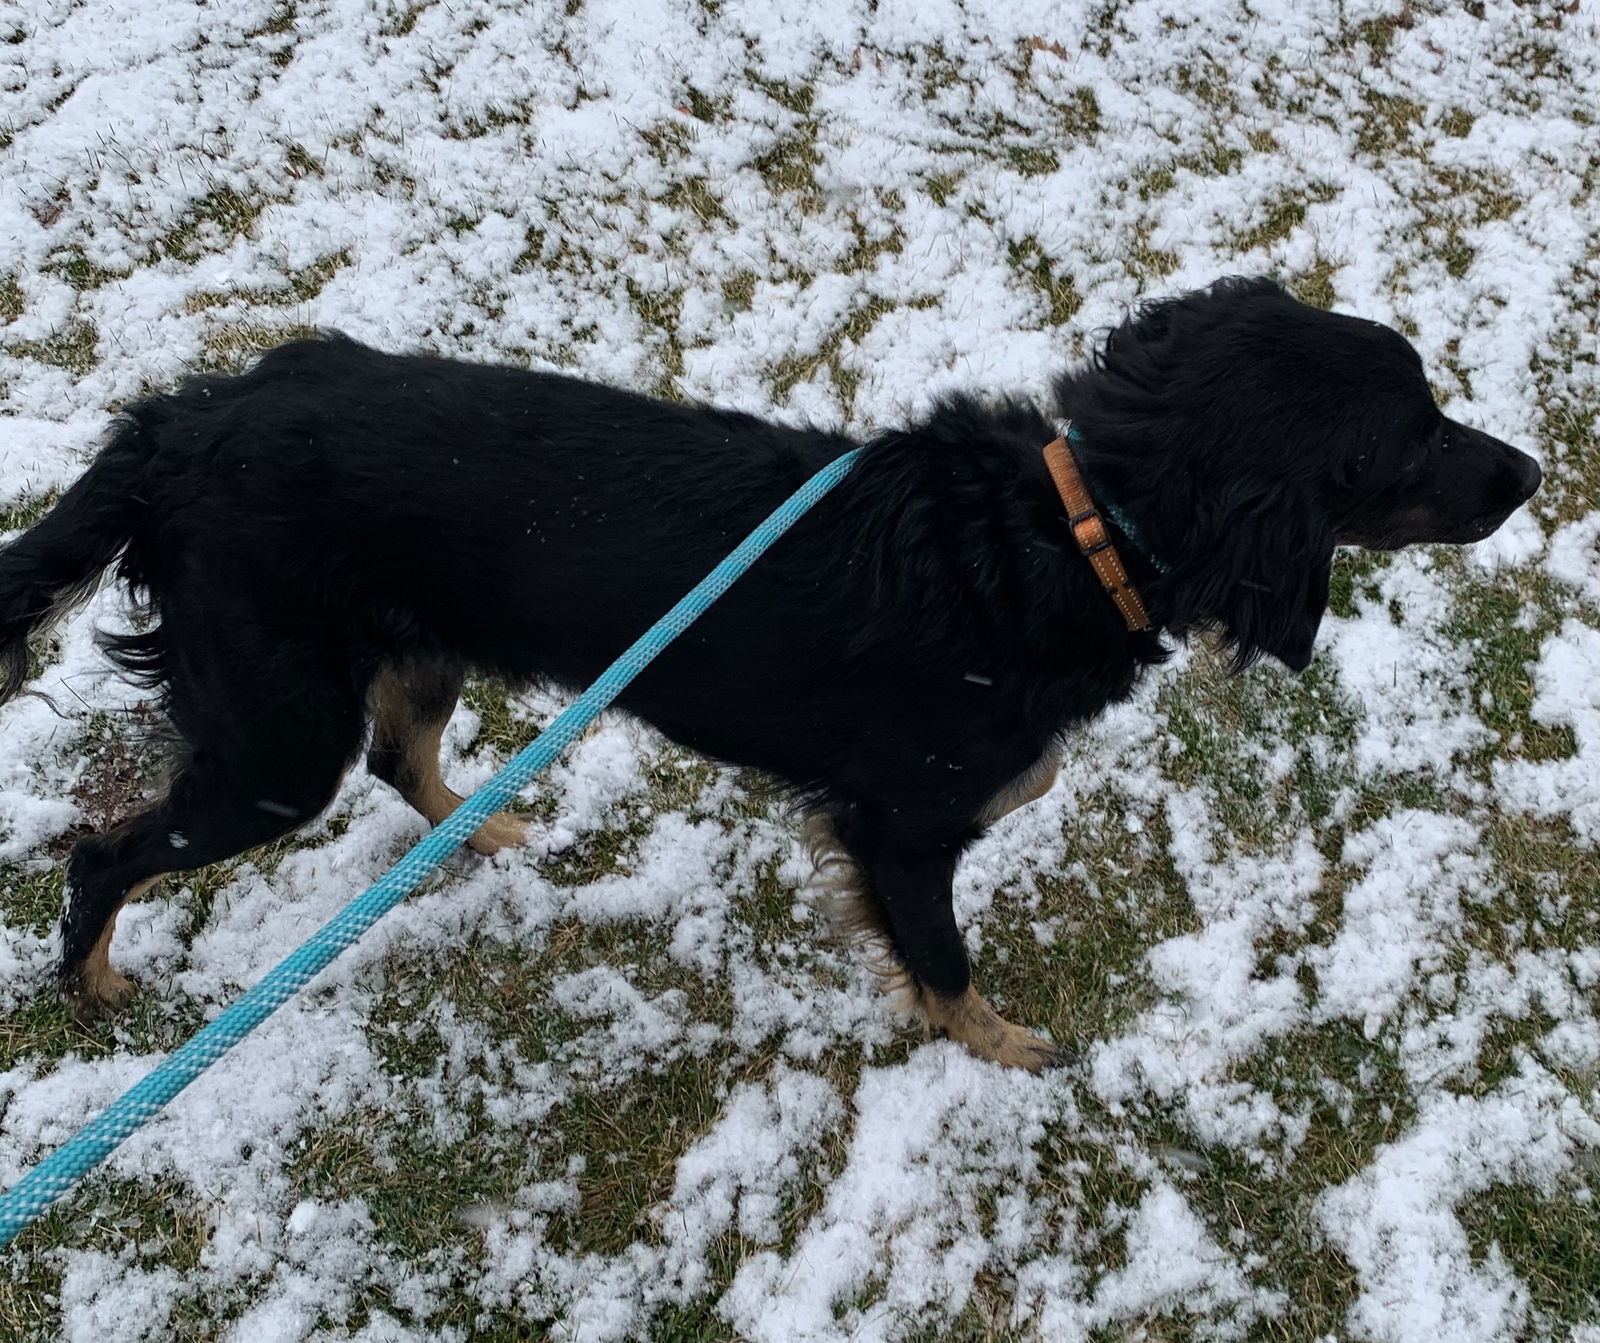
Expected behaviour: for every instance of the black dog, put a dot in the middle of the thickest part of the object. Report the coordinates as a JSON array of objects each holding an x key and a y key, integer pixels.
[{"x": 337, "y": 536}]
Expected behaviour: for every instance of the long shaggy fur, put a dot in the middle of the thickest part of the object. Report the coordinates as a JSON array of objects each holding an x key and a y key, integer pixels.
[
  {"x": 839, "y": 890},
  {"x": 903, "y": 661}
]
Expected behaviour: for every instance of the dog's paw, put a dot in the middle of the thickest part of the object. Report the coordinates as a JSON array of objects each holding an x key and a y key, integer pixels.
[
  {"x": 1014, "y": 1047},
  {"x": 1038, "y": 1055},
  {"x": 94, "y": 997},
  {"x": 970, "y": 1021},
  {"x": 500, "y": 831}
]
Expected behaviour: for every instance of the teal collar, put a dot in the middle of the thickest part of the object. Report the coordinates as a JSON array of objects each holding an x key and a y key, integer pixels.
[{"x": 1125, "y": 524}]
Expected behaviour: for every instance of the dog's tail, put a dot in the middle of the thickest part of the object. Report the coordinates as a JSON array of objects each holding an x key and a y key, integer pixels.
[{"x": 58, "y": 561}]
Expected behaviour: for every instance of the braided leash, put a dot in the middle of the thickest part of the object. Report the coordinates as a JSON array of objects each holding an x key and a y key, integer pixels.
[{"x": 64, "y": 1167}]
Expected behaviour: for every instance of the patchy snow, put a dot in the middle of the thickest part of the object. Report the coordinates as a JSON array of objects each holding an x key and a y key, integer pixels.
[
  {"x": 1398, "y": 917},
  {"x": 1215, "y": 1007},
  {"x": 835, "y": 212},
  {"x": 1567, "y": 695},
  {"x": 1395, "y": 1221}
]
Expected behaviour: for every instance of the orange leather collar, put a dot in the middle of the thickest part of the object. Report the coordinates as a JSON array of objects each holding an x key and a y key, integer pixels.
[{"x": 1089, "y": 530}]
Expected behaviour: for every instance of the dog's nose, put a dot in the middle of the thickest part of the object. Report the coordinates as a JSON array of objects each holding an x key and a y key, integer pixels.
[{"x": 1528, "y": 474}]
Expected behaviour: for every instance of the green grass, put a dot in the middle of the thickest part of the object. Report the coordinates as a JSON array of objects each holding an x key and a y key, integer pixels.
[
  {"x": 231, "y": 346},
  {"x": 27, "y": 509},
  {"x": 224, "y": 210},
  {"x": 72, "y": 348},
  {"x": 299, "y": 286},
  {"x": 1084, "y": 979},
  {"x": 499, "y": 726},
  {"x": 1282, "y": 217},
  {"x": 73, "y": 266},
  {"x": 831, "y": 355},
  {"x": 11, "y": 300},
  {"x": 1052, "y": 280},
  {"x": 1551, "y": 1242},
  {"x": 1570, "y": 428},
  {"x": 1501, "y": 625},
  {"x": 161, "y": 1224}
]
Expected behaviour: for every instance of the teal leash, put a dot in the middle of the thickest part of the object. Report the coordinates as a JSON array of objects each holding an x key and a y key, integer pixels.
[{"x": 64, "y": 1167}]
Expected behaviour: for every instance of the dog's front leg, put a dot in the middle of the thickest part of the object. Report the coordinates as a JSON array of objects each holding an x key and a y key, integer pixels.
[
  {"x": 918, "y": 905},
  {"x": 903, "y": 895}
]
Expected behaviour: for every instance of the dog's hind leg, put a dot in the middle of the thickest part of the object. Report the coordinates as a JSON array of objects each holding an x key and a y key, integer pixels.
[
  {"x": 904, "y": 900},
  {"x": 255, "y": 766},
  {"x": 96, "y": 987},
  {"x": 410, "y": 707}
]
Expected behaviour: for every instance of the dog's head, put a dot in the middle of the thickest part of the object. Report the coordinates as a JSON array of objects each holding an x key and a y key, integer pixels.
[{"x": 1246, "y": 435}]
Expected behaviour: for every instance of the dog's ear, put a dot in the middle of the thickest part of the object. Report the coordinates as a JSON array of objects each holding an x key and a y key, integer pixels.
[
  {"x": 1151, "y": 324},
  {"x": 1257, "y": 562}
]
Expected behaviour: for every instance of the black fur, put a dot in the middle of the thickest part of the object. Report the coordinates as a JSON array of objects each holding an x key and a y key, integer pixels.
[{"x": 918, "y": 641}]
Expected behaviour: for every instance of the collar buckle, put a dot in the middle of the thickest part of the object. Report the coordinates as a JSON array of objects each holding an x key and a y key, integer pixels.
[{"x": 1093, "y": 536}]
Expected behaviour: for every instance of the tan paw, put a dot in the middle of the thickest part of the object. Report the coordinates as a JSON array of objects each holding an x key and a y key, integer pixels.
[
  {"x": 1023, "y": 1049},
  {"x": 95, "y": 993},
  {"x": 972, "y": 1022},
  {"x": 500, "y": 831}
]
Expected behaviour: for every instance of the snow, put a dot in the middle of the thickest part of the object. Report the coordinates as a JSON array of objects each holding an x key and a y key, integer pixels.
[
  {"x": 494, "y": 180},
  {"x": 1395, "y": 1223},
  {"x": 1567, "y": 695}
]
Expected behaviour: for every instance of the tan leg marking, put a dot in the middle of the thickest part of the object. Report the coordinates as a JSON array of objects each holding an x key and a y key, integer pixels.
[
  {"x": 1029, "y": 786},
  {"x": 972, "y": 1022},
  {"x": 405, "y": 754},
  {"x": 854, "y": 918},
  {"x": 99, "y": 989},
  {"x": 435, "y": 799}
]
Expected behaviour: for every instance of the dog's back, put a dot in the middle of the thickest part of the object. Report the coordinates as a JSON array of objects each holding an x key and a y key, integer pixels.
[{"x": 410, "y": 498}]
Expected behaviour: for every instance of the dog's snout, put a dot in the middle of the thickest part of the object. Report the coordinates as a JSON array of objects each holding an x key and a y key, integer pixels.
[
  {"x": 1507, "y": 471},
  {"x": 1528, "y": 475}
]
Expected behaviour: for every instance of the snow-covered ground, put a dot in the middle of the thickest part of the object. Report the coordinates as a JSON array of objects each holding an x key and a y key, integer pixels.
[{"x": 1330, "y": 946}]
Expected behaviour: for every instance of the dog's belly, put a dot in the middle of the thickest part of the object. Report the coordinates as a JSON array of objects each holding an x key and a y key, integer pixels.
[{"x": 897, "y": 742}]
